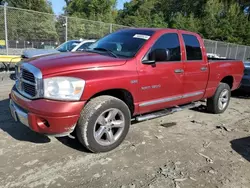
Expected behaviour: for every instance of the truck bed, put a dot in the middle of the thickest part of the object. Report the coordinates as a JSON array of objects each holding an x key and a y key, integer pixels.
[{"x": 224, "y": 68}]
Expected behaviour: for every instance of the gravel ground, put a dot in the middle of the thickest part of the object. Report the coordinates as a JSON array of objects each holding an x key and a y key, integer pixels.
[{"x": 187, "y": 149}]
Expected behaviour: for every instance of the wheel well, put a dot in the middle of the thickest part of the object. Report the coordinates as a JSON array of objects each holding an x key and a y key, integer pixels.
[
  {"x": 121, "y": 94},
  {"x": 228, "y": 80}
]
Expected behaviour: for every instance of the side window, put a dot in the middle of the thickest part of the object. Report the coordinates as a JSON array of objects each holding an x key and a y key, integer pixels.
[
  {"x": 169, "y": 42},
  {"x": 193, "y": 48}
]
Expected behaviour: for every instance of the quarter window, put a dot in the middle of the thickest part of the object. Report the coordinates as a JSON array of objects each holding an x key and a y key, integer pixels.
[{"x": 193, "y": 49}]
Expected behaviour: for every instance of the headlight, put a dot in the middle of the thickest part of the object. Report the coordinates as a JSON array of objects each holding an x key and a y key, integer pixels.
[{"x": 63, "y": 88}]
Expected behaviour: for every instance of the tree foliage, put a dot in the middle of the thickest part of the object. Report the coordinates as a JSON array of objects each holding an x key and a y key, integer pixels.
[
  {"x": 98, "y": 10},
  {"x": 142, "y": 14},
  {"x": 225, "y": 20},
  {"x": 30, "y": 25},
  {"x": 37, "y": 5}
]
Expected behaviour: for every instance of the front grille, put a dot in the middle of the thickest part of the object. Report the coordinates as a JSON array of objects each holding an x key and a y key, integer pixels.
[
  {"x": 29, "y": 89},
  {"x": 26, "y": 75},
  {"x": 29, "y": 82}
]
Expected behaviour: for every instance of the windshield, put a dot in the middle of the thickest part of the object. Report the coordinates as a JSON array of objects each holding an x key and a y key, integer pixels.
[
  {"x": 125, "y": 43},
  {"x": 68, "y": 46}
]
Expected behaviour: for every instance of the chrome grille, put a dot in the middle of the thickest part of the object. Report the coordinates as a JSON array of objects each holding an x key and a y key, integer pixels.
[
  {"x": 30, "y": 89},
  {"x": 29, "y": 81},
  {"x": 28, "y": 76}
]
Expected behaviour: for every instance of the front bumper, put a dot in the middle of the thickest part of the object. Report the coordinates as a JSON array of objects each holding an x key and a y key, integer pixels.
[{"x": 44, "y": 116}]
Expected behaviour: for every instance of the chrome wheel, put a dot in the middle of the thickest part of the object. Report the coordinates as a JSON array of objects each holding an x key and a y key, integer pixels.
[
  {"x": 109, "y": 126},
  {"x": 223, "y": 99}
]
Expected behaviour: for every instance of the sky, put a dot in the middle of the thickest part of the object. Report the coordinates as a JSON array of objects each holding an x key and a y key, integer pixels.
[{"x": 59, "y": 4}]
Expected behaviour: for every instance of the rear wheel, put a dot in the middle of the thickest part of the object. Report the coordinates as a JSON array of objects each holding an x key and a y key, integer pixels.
[
  {"x": 103, "y": 124},
  {"x": 220, "y": 101}
]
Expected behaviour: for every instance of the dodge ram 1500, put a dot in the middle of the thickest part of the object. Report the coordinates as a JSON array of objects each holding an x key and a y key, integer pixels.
[{"x": 137, "y": 74}]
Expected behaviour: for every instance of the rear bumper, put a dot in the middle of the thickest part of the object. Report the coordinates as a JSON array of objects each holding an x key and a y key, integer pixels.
[{"x": 48, "y": 117}]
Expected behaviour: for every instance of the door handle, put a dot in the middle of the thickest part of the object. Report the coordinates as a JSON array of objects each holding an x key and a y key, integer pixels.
[
  {"x": 178, "y": 71},
  {"x": 203, "y": 68}
]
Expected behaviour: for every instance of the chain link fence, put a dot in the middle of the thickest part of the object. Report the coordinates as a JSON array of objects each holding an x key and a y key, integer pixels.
[
  {"x": 21, "y": 29},
  {"x": 227, "y": 50},
  {"x": 25, "y": 29}
]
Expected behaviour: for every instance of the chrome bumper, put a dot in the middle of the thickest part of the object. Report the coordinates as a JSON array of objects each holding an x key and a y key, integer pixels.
[{"x": 18, "y": 114}]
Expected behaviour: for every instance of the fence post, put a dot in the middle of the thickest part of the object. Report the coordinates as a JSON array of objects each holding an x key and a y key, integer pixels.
[
  {"x": 6, "y": 28},
  {"x": 66, "y": 29},
  {"x": 244, "y": 53},
  {"x": 227, "y": 50},
  {"x": 236, "y": 51},
  {"x": 110, "y": 28},
  {"x": 216, "y": 44}
]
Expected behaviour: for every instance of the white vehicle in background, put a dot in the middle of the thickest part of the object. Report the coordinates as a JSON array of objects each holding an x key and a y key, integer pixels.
[
  {"x": 68, "y": 46},
  {"x": 213, "y": 55},
  {"x": 83, "y": 45}
]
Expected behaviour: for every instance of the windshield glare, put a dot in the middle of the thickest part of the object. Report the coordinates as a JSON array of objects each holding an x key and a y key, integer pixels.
[{"x": 124, "y": 43}]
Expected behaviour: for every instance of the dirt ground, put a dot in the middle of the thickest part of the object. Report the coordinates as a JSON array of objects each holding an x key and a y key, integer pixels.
[{"x": 185, "y": 150}]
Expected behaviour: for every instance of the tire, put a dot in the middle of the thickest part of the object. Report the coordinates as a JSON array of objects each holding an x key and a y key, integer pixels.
[
  {"x": 98, "y": 115},
  {"x": 214, "y": 103}
]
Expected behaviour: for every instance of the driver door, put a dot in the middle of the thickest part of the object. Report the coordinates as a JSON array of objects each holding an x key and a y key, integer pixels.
[{"x": 161, "y": 83}]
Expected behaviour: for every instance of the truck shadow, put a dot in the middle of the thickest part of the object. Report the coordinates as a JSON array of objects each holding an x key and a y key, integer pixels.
[
  {"x": 17, "y": 130},
  {"x": 242, "y": 147},
  {"x": 73, "y": 143},
  {"x": 202, "y": 108}
]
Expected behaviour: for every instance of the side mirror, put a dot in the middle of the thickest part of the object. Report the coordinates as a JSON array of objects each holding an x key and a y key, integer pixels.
[{"x": 158, "y": 55}]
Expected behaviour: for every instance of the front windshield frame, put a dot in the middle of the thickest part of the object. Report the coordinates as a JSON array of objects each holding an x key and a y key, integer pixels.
[{"x": 141, "y": 35}]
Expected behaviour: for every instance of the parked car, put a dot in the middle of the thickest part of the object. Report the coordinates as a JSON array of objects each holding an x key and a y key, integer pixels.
[
  {"x": 68, "y": 46},
  {"x": 83, "y": 45},
  {"x": 132, "y": 73},
  {"x": 245, "y": 82},
  {"x": 71, "y": 45}
]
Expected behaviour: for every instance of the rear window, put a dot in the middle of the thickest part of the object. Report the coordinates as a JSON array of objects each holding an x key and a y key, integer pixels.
[{"x": 193, "y": 48}]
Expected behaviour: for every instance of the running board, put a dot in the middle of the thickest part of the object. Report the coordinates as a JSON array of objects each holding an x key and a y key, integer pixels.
[{"x": 166, "y": 112}]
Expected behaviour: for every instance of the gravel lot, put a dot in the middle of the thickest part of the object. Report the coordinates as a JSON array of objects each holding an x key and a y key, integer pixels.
[{"x": 187, "y": 149}]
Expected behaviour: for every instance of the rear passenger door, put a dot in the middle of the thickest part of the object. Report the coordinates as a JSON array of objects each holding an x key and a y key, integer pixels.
[{"x": 195, "y": 68}]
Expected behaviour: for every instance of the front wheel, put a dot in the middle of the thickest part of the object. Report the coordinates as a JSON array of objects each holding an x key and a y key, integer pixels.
[
  {"x": 103, "y": 124},
  {"x": 220, "y": 101}
]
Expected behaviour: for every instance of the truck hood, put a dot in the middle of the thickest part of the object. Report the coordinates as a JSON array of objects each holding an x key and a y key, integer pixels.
[
  {"x": 38, "y": 52},
  {"x": 68, "y": 61}
]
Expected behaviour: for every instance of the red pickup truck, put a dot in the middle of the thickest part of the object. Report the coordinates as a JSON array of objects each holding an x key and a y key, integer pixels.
[{"x": 130, "y": 74}]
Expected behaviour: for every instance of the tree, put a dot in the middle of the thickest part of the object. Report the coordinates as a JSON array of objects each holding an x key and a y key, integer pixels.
[
  {"x": 98, "y": 10},
  {"x": 140, "y": 13},
  {"x": 26, "y": 25},
  {"x": 186, "y": 22},
  {"x": 81, "y": 11},
  {"x": 37, "y": 5}
]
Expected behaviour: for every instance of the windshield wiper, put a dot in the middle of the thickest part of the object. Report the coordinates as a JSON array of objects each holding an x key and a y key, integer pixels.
[{"x": 106, "y": 50}]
